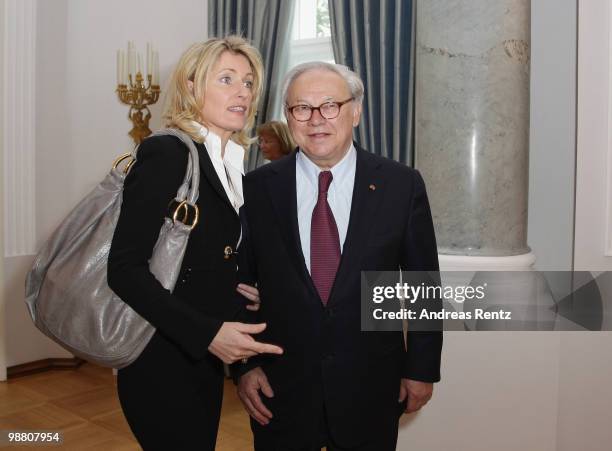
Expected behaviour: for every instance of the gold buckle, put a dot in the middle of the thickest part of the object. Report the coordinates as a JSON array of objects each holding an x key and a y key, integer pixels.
[
  {"x": 121, "y": 158},
  {"x": 184, "y": 205}
]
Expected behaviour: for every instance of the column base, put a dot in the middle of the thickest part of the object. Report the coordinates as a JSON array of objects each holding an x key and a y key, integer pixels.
[{"x": 522, "y": 262}]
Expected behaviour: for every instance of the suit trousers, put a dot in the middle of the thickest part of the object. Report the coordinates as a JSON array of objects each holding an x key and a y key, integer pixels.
[{"x": 383, "y": 440}]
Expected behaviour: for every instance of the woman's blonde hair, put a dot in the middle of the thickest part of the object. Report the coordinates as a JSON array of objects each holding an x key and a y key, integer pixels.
[
  {"x": 184, "y": 106},
  {"x": 282, "y": 132}
]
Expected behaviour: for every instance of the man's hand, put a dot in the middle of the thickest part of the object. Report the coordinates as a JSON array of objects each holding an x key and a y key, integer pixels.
[
  {"x": 252, "y": 294},
  {"x": 418, "y": 394},
  {"x": 248, "y": 390}
]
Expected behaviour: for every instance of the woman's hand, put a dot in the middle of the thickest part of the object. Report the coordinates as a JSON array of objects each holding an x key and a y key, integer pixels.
[
  {"x": 252, "y": 294},
  {"x": 234, "y": 342}
]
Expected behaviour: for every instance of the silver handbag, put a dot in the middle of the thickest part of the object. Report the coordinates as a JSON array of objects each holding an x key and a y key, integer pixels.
[{"x": 67, "y": 294}]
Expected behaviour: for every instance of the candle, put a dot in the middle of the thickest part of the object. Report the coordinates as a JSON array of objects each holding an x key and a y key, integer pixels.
[
  {"x": 132, "y": 62},
  {"x": 156, "y": 67},
  {"x": 124, "y": 69},
  {"x": 149, "y": 58},
  {"x": 139, "y": 62},
  {"x": 118, "y": 67}
]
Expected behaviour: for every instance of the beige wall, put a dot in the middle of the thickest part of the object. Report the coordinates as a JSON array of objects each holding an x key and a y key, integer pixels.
[
  {"x": 498, "y": 392},
  {"x": 594, "y": 155},
  {"x": 585, "y": 394},
  {"x": 2, "y": 308},
  {"x": 585, "y": 369}
]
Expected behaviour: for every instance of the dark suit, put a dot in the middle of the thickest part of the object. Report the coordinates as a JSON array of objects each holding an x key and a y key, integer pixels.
[
  {"x": 171, "y": 395},
  {"x": 331, "y": 373}
]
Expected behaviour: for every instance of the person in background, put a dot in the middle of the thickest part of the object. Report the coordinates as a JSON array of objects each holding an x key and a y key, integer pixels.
[
  {"x": 171, "y": 395},
  {"x": 275, "y": 140}
]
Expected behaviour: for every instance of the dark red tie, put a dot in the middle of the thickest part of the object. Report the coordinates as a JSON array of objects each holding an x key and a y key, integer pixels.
[{"x": 324, "y": 241}]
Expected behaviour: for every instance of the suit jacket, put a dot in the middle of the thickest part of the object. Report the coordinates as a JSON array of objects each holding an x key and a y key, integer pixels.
[
  {"x": 204, "y": 295},
  {"x": 327, "y": 358}
]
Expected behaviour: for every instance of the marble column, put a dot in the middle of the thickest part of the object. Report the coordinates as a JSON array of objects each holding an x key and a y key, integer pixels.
[{"x": 472, "y": 123}]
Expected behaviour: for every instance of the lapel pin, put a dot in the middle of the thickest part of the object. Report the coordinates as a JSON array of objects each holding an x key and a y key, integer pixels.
[{"x": 372, "y": 187}]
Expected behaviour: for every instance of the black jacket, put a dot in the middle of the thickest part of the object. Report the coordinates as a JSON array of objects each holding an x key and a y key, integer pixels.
[{"x": 204, "y": 295}]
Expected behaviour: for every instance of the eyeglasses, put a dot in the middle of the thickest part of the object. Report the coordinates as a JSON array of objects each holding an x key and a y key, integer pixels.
[{"x": 327, "y": 110}]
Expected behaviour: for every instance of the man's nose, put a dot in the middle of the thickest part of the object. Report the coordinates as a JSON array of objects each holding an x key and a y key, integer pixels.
[{"x": 316, "y": 118}]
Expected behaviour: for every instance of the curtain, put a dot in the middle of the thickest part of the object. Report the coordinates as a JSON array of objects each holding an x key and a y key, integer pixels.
[
  {"x": 265, "y": 23},
  {"x": 374, "y": 38}
]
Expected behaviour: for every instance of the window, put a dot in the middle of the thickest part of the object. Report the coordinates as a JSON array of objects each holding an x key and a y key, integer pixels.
[
  {"x": 311, "y": 34},
  {"x": 310, "y": 40}
]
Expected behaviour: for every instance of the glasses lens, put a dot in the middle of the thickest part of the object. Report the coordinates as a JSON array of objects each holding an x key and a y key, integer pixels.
[
  {"x": 330, "y": 110},
  {"x": 301, "y": 112}
]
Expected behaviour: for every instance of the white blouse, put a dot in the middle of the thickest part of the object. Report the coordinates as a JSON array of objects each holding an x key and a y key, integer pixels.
[{"x": 229, "y": 168}]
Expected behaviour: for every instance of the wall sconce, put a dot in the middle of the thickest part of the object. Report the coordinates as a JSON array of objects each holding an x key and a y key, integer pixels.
[{"x": 135, "y": 91}]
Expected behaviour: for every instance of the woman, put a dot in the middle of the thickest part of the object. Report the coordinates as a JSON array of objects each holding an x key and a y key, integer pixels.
[
  {"x": 171, "y": 395},
  {"x": 275, "y": 140}
]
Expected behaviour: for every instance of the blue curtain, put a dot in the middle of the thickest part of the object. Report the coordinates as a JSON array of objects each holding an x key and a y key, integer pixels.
[
  {"x": 374, "y": 38},
  {"x": 265, "y": 23}
]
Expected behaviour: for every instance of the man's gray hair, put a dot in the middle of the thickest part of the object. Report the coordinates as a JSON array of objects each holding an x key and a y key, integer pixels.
[{"x": 353, "y": 80}]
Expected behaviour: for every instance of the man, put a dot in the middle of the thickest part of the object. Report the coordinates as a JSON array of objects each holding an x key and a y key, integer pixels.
[{"x": 313, "y": 221}]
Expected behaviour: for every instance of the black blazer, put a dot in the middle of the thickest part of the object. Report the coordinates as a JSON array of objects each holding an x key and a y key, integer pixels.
[
  {"x": 327, "y": 357},
  {"x": 204, "y": 295}
]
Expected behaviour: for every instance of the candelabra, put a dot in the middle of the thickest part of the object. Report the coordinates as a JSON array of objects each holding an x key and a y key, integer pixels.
[{"x": 135, "y": 91}]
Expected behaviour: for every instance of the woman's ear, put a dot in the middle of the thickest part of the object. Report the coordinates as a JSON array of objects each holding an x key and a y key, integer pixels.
[{"x": 190, "y": 86}]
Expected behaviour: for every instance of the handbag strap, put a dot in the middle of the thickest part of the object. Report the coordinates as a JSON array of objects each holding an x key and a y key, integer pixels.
[{"x": 188, "y": 191}]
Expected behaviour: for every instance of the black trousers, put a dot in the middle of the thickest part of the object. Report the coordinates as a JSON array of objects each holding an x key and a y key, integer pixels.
[
  {"x": 170, "y": 401},
  {"x": 384, "y": 439},
  {"x": 387, "y": 442}
]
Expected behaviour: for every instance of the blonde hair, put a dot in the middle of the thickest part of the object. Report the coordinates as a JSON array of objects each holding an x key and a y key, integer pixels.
[
  {"x": 184, "y": 106},
  {"x": 282, "y": 132}
]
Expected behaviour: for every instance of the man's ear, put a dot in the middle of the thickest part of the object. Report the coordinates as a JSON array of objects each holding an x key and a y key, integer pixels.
[
  {"x": 190, "y": 86},
  {"x": 356, "y": 114}
]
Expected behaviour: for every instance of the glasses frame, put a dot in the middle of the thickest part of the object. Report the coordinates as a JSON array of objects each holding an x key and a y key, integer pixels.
[{"x": 318, "y": 108}]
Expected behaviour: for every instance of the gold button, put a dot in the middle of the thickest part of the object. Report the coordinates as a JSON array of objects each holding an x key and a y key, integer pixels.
[{"x": 228, "y": 251}]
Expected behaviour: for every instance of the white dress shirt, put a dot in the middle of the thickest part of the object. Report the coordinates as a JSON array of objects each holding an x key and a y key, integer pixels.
[
  {"x": 229, "y": 168},
  {"x": 339, "y": 195}
]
